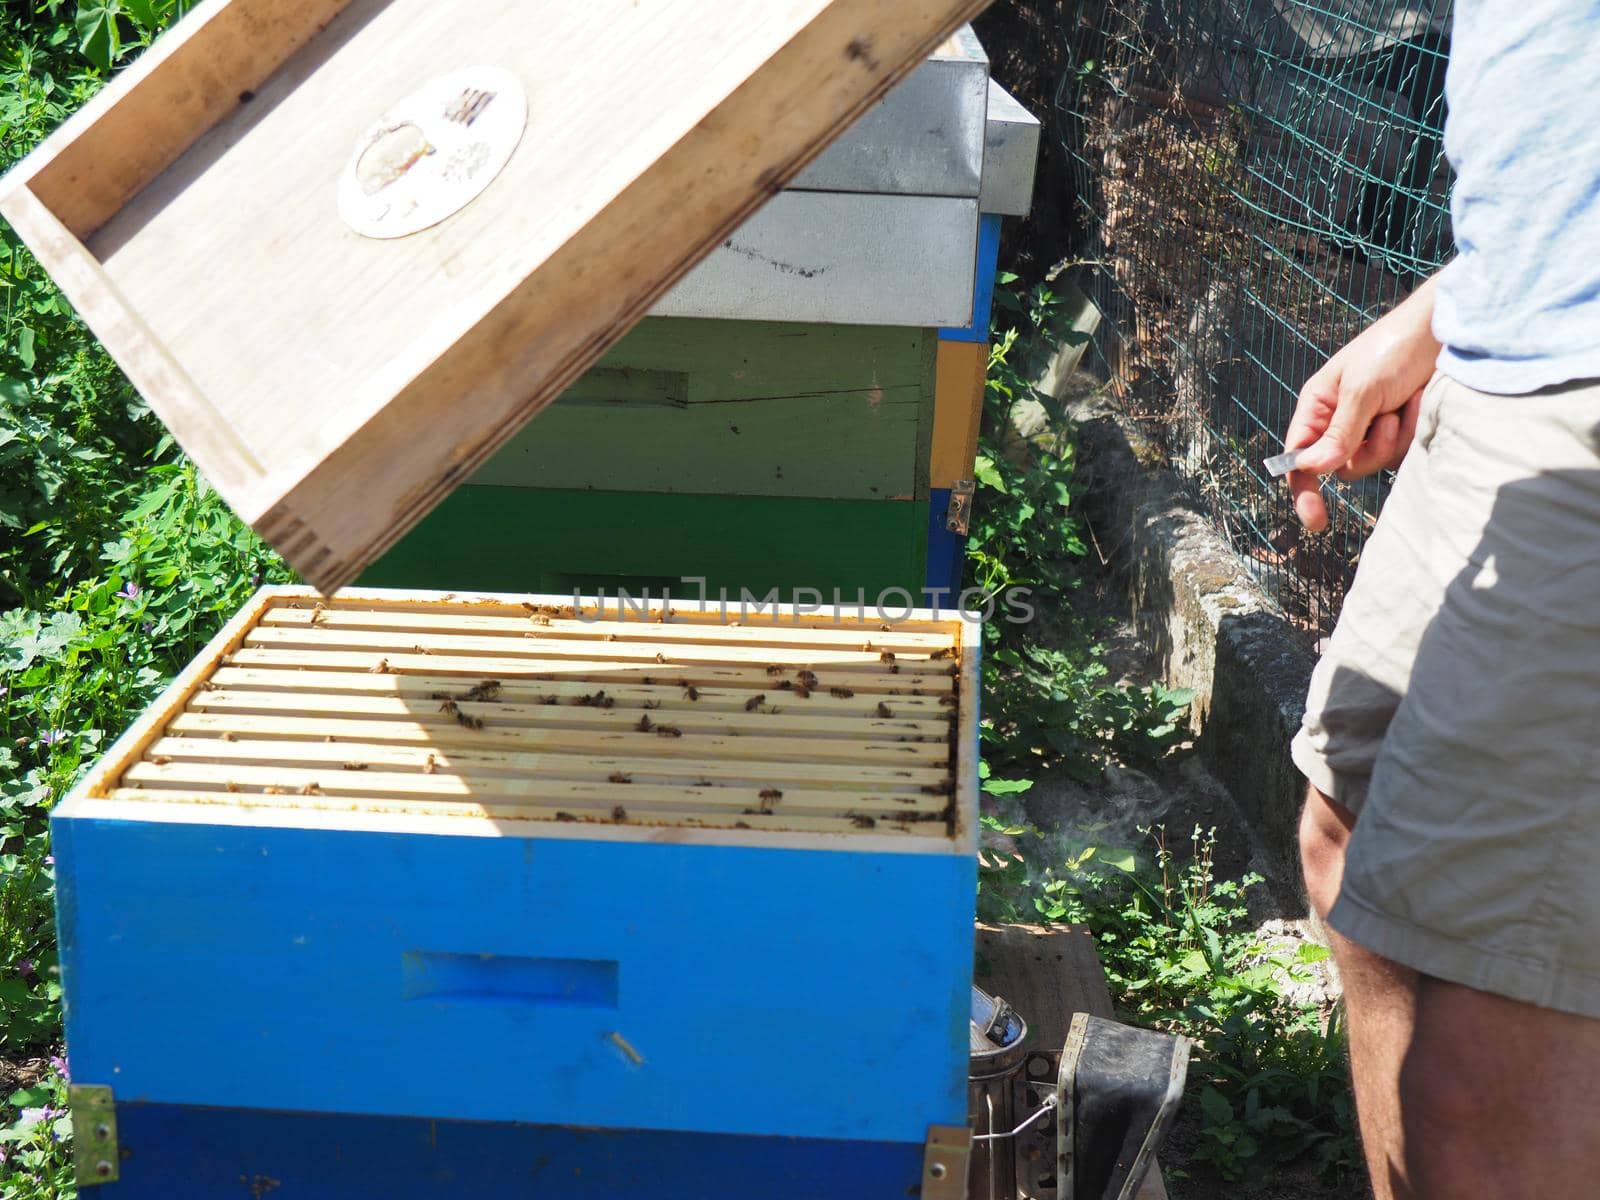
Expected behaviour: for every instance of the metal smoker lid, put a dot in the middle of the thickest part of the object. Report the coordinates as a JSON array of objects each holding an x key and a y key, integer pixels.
[{"x": 996, "y": 1028}]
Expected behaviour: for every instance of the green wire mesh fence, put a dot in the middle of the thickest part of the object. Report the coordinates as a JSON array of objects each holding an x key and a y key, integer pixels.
[{"x": 1255, "y": 181}]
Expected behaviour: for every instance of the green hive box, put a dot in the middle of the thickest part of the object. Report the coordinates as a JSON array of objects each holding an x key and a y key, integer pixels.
[
  {"x": 797, "y": 412},
  {"x": 756, "y": 454}
]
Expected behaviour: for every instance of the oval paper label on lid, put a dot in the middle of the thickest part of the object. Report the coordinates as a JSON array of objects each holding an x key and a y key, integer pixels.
[{"x": 433, "y": 152}]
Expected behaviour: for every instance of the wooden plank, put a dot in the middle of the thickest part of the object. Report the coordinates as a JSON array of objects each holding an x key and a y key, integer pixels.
[
  {"x": 258, "y": 811},
  {"x": 957, "y": 410},
  {"x": 1047, "y": 973},
  {"x": 598, "y": 671},
  {"x": 638, "y": 767},
  {"x": 525, "y": 738},
  {"x": 148, "y": 364},
  {"x": 666, "y": 693},
  {"x": 767, "y": 409},
  {"x": 966, "y": 752},
  {"x": 598, "y": 794},
  {"x": 898, "y": 667},
  {"x": 549, "y": 540},
  {"x": 789, "y": 638},
  {"x": 649, "y": 141},
  {"x": 691, "y": 716},
  {"x": 757, "y": 827},
  {"x": 202, "y": 70},
  {"x": 716, "y": 619}
]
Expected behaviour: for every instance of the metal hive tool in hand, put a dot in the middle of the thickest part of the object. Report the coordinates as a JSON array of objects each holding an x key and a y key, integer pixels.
[{"x": 1255, "y": 181}]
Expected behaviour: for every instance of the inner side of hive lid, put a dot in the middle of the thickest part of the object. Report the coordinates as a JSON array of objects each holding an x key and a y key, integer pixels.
[
  {"x": 536, "y": 711},
  {"x": 218, "y": 165}
]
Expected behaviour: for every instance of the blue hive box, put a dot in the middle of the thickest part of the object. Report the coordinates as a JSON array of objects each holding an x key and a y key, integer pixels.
[{"x": 416, "y": 895}]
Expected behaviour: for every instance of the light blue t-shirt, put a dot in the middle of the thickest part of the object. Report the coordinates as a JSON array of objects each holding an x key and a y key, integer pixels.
[{"x": 1519, "y": 308}]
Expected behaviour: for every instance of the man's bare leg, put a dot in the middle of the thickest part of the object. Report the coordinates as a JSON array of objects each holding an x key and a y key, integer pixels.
[
  {"x": 1499, "y": 1098},
  {"x": 1380, "y": 1003}
]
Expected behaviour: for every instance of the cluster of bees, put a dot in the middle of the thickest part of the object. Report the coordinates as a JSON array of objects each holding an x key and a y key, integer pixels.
[
  {"x": 487, "y": 692},
  {"x": 802, "y": 686}
]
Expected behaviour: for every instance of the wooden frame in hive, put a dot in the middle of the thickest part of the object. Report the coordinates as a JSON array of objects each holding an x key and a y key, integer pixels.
[{"x": 661, "y": 715}]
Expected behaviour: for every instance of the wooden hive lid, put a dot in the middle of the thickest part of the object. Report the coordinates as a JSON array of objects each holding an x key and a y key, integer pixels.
[
  {"x": 335, "y": 386},
  {"x": 648, "y": 723}
]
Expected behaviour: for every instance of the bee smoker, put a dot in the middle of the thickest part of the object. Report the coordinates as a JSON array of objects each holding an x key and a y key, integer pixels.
[
  {"x": 1079, "y": 1123},
  {"x": 998, "y": 1034}
]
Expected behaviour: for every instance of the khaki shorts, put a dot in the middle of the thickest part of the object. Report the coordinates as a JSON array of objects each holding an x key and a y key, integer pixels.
[{"x": 1457, "y": 707}]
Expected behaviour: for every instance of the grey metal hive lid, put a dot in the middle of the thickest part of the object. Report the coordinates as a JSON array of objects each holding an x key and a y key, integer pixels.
[
  {"x": 883, "y": 228},
  {"x": 1010, "y": 154},
  {"x": 925, "y": 138}
]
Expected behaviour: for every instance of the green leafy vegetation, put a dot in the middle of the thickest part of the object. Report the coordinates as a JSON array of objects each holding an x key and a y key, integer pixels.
[
  {"x": 1269, "y": 1083},
  {"x": 1048, "y": 694},
  {"x": 117, "y": 561},
  {"x": 35, "y": 1157}
]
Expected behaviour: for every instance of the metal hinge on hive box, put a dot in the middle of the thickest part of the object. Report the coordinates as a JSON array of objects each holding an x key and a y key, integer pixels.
[
  {"x": 959, "y": 514},
  {"x": 95, "y": 1154},
  {"x": 944, "y": 1162}
]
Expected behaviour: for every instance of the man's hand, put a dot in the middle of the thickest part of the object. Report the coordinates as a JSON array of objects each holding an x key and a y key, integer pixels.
[{"x": 1357, "y": 414}]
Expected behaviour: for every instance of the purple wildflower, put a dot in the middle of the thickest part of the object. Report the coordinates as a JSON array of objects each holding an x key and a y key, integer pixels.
[
  {"x": 38, "y": 1116},
  {"x": 130, "y": 591},
  {"x": 51, "y": 736},
  {"x": 25, "y": 967},
  {"x": 49, "y": 860},
  {"x": 58, "y": 1064}
]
